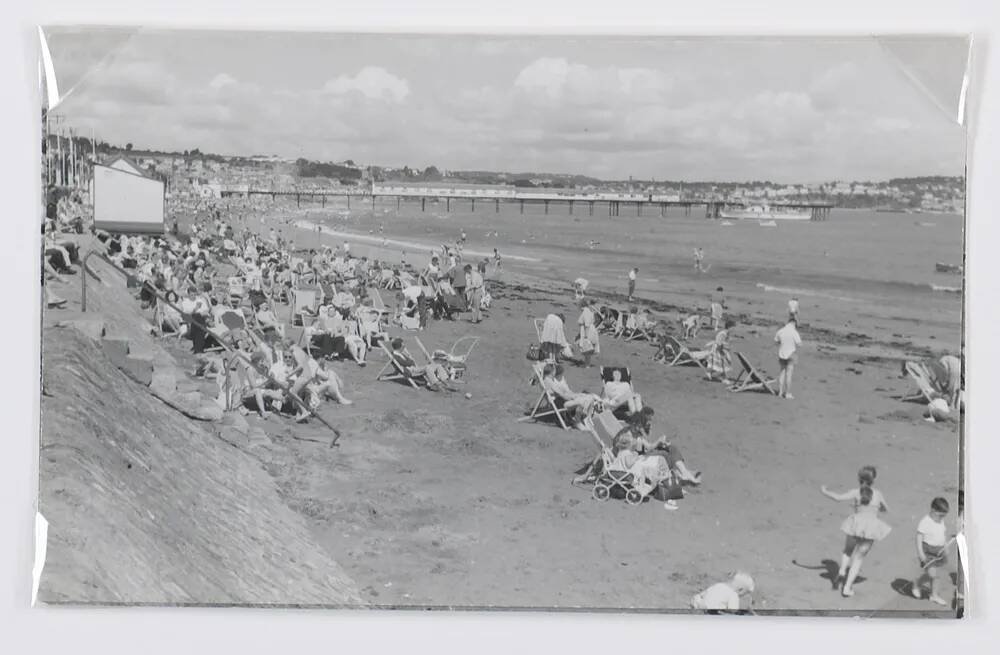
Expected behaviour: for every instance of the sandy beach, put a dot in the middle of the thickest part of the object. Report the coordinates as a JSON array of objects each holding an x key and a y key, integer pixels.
[{"x": 439, "y": 500}]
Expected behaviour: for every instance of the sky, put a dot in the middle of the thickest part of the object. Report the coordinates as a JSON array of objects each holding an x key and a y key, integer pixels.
[{"x": 726, "y": 109}]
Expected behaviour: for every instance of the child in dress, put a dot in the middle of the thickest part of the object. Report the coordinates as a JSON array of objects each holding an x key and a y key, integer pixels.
[
  {"x": 932, "y": 543},
  {"x": 863, "y": 528}
]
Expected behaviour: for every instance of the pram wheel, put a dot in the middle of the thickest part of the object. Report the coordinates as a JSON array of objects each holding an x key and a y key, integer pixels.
[
  {"x": 633, "y": 497},
  {"x": 601, "y": 492}
]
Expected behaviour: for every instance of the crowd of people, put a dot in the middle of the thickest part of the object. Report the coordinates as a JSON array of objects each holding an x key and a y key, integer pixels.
[{"x": 219, "y": 285}]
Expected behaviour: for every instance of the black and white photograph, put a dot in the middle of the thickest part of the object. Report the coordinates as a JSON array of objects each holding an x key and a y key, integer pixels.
[{"x": 515, "y": 322}]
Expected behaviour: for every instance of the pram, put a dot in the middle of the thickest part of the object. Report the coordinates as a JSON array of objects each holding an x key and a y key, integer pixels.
[{"x": 614, "y": 480}]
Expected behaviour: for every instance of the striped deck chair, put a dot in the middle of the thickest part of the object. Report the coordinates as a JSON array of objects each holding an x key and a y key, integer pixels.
[
  {"x": 750, "y": 379},
  {"x": 548, "y": 404},
  {"x": 926, "y": 391},
  {"x": 304, "y": 306}
]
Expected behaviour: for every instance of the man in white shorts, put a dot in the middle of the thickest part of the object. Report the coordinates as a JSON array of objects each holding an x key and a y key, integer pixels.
[{"x": 788, "y": 340}]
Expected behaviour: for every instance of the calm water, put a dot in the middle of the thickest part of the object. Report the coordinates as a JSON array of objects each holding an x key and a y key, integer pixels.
[{"x": 869, "y": 263}]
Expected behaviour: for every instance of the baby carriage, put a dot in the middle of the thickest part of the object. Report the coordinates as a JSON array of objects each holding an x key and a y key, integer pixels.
[{"x": 615, "y": 479}]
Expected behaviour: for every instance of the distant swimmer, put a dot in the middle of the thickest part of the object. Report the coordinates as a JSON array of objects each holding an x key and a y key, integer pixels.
[
  {"x": 461, "y": 239},
  {"x": 699, "y": 258},
  {"x": 593, "y": 244}
]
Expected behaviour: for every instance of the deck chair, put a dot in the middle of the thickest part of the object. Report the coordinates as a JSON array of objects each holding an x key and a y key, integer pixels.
[
  {"x": 378, "y": 304},
  {"x": 749, "y": 379},
  {"x": 236, "y": 290},
  {"x": 392, "y": 371},
  {"x": 304, "y": 306},
  {"x": 456, "y": 359},
  {"x": 548, "y": 404},
  {"x": 681, "y": 355},
  {"x": 925, "y": 390},
  {"x": 539, "y": 324},
  {"x": 606, "y": 376},
  {"x": 637, "y": 330}
]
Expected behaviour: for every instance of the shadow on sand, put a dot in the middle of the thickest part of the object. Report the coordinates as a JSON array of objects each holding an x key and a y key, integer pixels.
[{"x": 829, "y": 570}]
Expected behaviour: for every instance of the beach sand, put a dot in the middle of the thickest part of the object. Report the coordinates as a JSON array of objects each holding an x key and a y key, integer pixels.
[{"x": 432, "y": 499}]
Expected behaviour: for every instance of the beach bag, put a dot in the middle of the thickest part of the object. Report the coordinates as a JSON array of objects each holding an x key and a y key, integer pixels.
[
  {"x": 669, "y": 490},
  {"x": 585, "y": 345},
  {"x": 534, "y": 352}
]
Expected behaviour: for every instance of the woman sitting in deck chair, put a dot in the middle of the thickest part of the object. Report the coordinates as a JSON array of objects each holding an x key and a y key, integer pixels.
[
  {"x": 618, "y": 393},
  {"x": 583, "y": 405}
]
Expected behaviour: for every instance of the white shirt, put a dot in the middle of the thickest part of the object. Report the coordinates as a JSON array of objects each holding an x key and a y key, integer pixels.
[
  {"x": 787, "y": 339},
  {"x": 793, "y": 306},
  {"x": 932, "y": 532},
  {"x": 631, "y": 275},
  {"x": 413, "y": 292}
]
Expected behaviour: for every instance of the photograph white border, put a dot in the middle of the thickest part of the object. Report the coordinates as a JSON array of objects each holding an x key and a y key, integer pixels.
[{"x": 252, "y": 631}]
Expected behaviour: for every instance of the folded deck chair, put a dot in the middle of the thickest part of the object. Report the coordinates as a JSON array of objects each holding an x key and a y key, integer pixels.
[
  {"x": 750, "y": 379},
  {"x": 681, "y": 355},
  {"x": 393, "y": 371},
  {"x": 548, "y": 404}
]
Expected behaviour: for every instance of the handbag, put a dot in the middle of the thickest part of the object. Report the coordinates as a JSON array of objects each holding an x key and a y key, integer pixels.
[{"x": 534, "y": 352}]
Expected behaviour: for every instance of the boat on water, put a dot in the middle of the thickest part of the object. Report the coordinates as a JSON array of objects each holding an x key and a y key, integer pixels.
[
  {"x": 725, "y": 223},
  {"x": 955, "y": 269},
  {"x": 770, "y": 223},
  {"x": 766, "y": 212}
]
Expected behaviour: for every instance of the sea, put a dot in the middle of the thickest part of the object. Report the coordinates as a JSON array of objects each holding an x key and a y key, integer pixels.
[{"x": 860, "y": 264}]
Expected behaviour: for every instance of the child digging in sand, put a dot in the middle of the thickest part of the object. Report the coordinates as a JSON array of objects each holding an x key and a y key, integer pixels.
[
  {"x": 724, "y": 596},
  {"x": 863, "y": 528},
  {"x": 932, "y": 551}
]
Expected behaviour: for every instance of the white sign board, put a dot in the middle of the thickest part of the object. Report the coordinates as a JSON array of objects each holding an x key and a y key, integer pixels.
[{"x": 126, "y": 202}]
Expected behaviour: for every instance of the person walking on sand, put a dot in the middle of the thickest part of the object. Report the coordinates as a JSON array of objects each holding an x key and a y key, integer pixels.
[
  {"x": 497, "y": 261},
  {"x": 932, "y": 551},
  {"x": 793, "y": 308},
  {"x": 717, "y": 305},
  {"x": 632, "y": 276},
  {"x": 699, "y": 256},
  {"x": 862, "y": 528},
  {"x": 788, "y": 341}
]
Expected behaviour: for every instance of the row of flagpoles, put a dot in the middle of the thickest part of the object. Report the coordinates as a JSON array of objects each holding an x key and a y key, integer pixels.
[{"x": 68, "y": 161}]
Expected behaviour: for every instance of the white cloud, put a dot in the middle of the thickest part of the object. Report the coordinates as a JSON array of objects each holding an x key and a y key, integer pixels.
[
  {"x": 222, "y": 80},
  {"x": 558, "y": 80},
  {"x": 373, "y": 82}
]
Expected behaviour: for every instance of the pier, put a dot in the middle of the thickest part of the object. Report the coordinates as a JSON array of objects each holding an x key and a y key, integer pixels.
[{"x": 635, "y": 204}]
